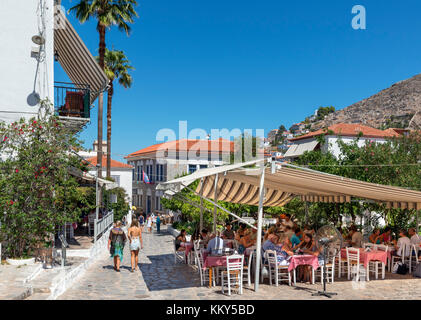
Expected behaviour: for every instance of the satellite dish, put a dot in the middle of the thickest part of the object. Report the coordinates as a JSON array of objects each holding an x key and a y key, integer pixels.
[
  {"x": 39, "y": 40},
  {"x": 329, "y": 241}
]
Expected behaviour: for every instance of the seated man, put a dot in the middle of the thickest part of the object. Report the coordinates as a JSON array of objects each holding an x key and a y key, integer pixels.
[
  {"x": 215, "y": 244},
  {"x": 228, "y": 233},
  {"x": 295, "y": 240},
  {"x": 356, "y": 237},
  {"x": 403, "y": 241}
]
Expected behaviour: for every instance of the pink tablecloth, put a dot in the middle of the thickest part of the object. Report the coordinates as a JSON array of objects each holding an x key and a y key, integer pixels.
[
  {"x": 367, "y": 256},
  {"x": 189, "y": 247},
  {"x": 214, "y": 261},
  {"x": 305, "y": 259}
]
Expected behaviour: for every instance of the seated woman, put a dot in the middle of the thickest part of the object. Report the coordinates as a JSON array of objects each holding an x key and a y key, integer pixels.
[
  {"x": 307, "y": 246},
  {"x": 375, "y": 237},
  {"x": 181, "y": 238},
  {"x": 247, "y": 241},
  {"x": 241, "y": 231},
  {"x": 268, "y": 234}
]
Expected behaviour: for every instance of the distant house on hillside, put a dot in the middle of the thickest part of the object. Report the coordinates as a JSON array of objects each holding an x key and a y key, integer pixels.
[{"x": 344, "y": 131}]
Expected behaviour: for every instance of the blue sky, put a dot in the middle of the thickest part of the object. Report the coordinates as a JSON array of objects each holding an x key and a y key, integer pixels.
[{"x": 250, "y": 64}]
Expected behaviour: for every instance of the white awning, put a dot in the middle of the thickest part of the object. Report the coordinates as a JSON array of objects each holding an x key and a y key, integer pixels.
[
  {"x": 174, "y": 186},
  {"x": 75, "y": 58},
  {"x": 298, "y": 149},
  {"x": 89, "y": 177}
]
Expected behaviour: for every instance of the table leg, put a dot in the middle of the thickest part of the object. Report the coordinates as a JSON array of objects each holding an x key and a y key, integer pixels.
[{"x": 210, "y": 277}]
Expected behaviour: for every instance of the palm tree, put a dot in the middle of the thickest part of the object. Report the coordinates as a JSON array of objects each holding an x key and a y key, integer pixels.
[
  {"x": 117, "y": 66},
  {"x": 107, "y": 13}
]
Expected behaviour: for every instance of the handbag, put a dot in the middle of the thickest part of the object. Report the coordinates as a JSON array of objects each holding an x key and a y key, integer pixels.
[
  {"x": 402, "y": 269},
  {"x": 112, "y": 248}
]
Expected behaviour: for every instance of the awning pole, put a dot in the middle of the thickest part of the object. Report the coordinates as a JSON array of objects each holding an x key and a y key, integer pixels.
[
  {"x": 201, "y": 205},
  {"x": 259, "y": 229},
  {"x": 215, "y": 199},
  {"x": 416, "y": 219}
]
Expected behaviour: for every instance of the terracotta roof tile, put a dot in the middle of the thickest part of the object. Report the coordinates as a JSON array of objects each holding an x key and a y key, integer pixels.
[
  {"x": 114, "y": 163},
  {"x": 351, "y": 129},
  {"x": 187, "y": 145}
]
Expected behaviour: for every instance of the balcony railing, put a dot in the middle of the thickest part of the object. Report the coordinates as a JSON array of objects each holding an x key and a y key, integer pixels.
[{"x": 72, "y": 100}]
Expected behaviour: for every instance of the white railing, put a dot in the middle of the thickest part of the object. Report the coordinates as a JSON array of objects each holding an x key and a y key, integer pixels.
[{"x": 102, "y": 225}]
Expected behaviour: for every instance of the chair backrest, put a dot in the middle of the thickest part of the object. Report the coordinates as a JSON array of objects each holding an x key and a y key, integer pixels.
[
  {"x": 382, "y": 247},
  {"x": 251, "y": 259},
  {"x": 352, "y": 254},
  {"x": 404, "y": 250},
  {"x": 414, "y": 248},
  {"x": 235, "y": 262},
  {"x": 271, "y": 257}
]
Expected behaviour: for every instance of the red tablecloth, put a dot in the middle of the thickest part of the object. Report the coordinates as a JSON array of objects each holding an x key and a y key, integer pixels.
[
  {"x": 367, "y": 256},
  {"x": 305, "y": 259}
]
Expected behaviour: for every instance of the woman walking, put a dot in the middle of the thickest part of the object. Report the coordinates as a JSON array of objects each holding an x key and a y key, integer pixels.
[
  {"x": 149, "y": 224},
  {"x": 135, "y": 238},
  {"x": 116, "y": 243}
]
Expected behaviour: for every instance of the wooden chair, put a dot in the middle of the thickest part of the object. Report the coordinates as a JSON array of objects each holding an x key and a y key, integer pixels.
[
  {"x": 353, "y": 260},
  {"x": 374, "y": 266},
  {"x": 277, "y": 272},
  {"x": 234, "y": 274}
]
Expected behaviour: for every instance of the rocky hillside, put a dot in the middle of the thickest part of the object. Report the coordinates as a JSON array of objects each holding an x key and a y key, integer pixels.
[{"x": 397, "y": 106}]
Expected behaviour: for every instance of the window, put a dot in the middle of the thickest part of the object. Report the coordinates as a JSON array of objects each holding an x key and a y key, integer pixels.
[
  {"x": 203, "y": 166},
  {"x": 139, "y": 171},
  {"x": 159, "y": 172},
  {"x": 192, "y": 168},
  {"x": 116, "y": 179},
  {"x": 141, "y": 174}
]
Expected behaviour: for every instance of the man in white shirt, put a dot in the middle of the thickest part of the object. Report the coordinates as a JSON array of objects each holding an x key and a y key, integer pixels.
[
  {"x": 215, "y": 244},
  {"x": 403, "y": 241},
  {"x": 287, "y": 222},
  {"x": 415, "y": 238}
]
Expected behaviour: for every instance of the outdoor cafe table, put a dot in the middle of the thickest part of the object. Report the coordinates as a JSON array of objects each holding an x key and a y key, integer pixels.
[
  {"x": 213, "y": 261},
  {"x": 301, "y": 260},
  {"x": 367, "y": 256}
]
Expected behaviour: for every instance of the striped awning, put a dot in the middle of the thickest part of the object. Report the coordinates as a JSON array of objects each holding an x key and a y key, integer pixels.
[
  {"x": 297, "y": 150},
  {"x": 75, "y": 58}
]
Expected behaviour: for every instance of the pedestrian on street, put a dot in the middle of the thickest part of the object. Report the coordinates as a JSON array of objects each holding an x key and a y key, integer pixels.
[
  {"x": 141, "y": 222},
  {"x": 116, "y": 242},
  {"x": 135, "y": 238},
  {"x": 149, "y": 224},
  {"x": 158, "y": 224}
]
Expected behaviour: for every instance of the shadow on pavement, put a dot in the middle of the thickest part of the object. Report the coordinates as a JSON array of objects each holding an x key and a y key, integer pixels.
[{"x": 162, "y": 274}]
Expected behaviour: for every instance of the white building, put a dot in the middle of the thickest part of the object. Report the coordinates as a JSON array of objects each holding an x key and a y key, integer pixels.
[
  {"x": 34, "y": 34},
  {"x": 121, "y": 173},
  {"x": 165, "y": 161},
  {"x": 346, "y": 132}
]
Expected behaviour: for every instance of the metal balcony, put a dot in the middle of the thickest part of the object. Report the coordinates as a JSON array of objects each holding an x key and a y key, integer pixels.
[{"x": 72, "y": 104}]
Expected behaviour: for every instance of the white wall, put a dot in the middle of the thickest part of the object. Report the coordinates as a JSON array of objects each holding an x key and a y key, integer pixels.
[
  {"x": 333, "y": 147},
  {"x": 125, "y": 180},
  {"x": 21, "y": 74}
]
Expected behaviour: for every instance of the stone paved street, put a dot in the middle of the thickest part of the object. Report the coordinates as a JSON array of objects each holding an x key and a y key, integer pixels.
[{"x": 160, "y": 278}]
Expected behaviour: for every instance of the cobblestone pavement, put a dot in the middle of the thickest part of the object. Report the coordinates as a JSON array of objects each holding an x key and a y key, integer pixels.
[{"x": 159, "y": 278}]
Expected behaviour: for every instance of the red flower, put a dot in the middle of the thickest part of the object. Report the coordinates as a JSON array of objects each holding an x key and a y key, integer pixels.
[
  {"x": 366, "y": 169},
  {"x": 11, "y": 202},
  {"x": 16, "y": 170}
]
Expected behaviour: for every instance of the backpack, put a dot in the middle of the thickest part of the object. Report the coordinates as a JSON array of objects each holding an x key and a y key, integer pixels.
[
  {"x": 141, "y": 219},
  {"x": 417, "y": 272},
  {"x": 402, "y": 269}
]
